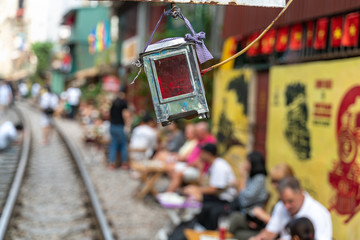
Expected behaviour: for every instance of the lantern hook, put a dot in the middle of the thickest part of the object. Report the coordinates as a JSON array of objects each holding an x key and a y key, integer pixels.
[{"x": 175, "y": 11}]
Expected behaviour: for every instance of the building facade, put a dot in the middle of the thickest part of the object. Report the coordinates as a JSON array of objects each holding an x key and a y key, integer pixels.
[
  {"x": 296, "y": 93},
  {"x": 11, "y": 36}
]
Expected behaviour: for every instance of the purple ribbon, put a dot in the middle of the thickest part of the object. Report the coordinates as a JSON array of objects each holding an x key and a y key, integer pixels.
[
  {"x": 198, "y": 38},
  {"x": 201, "y": 50}
]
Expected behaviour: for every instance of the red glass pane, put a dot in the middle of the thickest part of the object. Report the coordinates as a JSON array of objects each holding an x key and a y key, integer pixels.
[{"x": 173, "y": 76}]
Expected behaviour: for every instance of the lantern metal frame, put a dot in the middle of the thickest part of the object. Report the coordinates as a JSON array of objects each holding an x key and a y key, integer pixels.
[{"x": 186, "y": 105}]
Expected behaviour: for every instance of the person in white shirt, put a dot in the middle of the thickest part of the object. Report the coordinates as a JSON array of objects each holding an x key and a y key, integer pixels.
[
  {"x": 5, "y": 95},
  {"x": 145, "y": 136},
  {"x": 48, "y": 104},
  {"x": 8, "y": 134},
  {"x": 217, "y": 195},
  {"x": 296, "y": 203},
  {"x": 35, "y": 90},
  {"x": 23, "y": 89},
  {"x": 73, "y": 99}
]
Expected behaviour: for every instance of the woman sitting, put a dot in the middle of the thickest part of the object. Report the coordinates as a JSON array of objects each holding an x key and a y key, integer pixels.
[
  {"x": 170, "y": 157},
  {"x": 257, "y": 218},
  {"x": 252, "y": 193}
]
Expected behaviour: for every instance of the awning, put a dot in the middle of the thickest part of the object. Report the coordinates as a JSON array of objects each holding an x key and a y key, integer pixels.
[
  {"x": 94, "y": 71},
  {"x": 259, "y": 3},
  {"x": 85, "y": 73},
  {"x": 18, "y": 75}
]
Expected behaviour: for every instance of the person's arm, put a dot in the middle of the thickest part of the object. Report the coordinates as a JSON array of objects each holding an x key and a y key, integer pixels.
[
  {"x": 55, "y": 102},
  {"x": 264, "y": 235},
  {"x": 181, "y": 158},
  {"x": 261, "y": 214},
  {"x": 197, "y": 164},
  {"x": 197, "y": 192},
  {"x": 208, "y": 190},
  {"x": 276, "y": 224},
  {"x": 126, "y": 114}
]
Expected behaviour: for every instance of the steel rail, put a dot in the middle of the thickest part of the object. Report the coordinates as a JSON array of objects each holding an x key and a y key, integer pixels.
[
  {"x": 16, "y": 184},
  {"x": 104, "y": 226}
]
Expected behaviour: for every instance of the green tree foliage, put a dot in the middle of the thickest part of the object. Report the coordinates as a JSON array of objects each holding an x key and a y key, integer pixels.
[
  {"x": 42, "y": 50},
  {"x": 199, "y": 16},
  {"x": 92, "y": 92}
]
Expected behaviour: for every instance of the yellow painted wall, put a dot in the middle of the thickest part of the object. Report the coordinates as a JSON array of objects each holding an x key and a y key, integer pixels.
[{"x": 304, "y": 104}]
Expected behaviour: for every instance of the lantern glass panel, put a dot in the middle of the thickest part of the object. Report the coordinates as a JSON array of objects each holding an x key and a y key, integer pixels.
[{"x": 173, "y": 76}]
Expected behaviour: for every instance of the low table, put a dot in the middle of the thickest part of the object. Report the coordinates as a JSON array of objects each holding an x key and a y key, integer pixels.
[
  {"x": 150, "y": 173},
  {"x": 204, "y": 235},
  {"x": 175, "y": 204}
]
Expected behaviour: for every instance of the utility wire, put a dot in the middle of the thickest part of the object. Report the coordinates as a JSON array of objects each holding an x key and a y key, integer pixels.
[{"x": 250, "y": 44}]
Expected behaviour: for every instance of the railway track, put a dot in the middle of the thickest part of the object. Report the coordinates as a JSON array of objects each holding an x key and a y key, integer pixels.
[
  {"x": 8, "y": 164},
  {"x": 51, "y": 196},
  {"x": 9, "y": 160}
]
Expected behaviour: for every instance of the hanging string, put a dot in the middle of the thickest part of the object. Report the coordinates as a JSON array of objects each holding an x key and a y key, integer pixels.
[
  {"x": 198, "y": 38},
  {"x": 250, "y": 45}
]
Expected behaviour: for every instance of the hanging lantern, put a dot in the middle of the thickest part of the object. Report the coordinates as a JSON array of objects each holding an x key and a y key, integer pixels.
[
  {"x": 175, "y": 81},
  {"x": 172, "y": 69}
]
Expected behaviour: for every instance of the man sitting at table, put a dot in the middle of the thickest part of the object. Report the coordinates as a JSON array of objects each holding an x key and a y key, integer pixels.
[
  {"x": 9, "y": 133},
  {"x": 219, "y": 192},
  {"x": 296, "y": 203}
]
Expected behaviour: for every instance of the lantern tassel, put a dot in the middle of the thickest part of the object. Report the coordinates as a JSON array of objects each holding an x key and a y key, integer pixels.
[{"x": 138, "y": 64}]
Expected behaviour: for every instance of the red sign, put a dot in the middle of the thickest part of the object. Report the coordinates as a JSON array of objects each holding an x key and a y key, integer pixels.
[
  {"x": 296, "y": 37},
  {"x": 282, "y": 39},
  {"x": 321, "y": 33},
  {"x": 323, "y": 83},
  {"x": 254, "y": 50},
  {"x": 336, "y": 31},
  {"x": 309, "y": 33},
  {"x": 268, "y": 42},
  {"x": 351, "y": 30},
  {"x": 111, "y": 84}
]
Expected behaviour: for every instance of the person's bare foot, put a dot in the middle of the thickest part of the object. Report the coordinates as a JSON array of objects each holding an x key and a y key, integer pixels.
[
  {"x": 112, "y": 166},
  {"x": 125, "y": 166}
]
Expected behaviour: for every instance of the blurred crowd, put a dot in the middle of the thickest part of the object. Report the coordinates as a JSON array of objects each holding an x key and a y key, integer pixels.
[{"x": 188, "y": 153}]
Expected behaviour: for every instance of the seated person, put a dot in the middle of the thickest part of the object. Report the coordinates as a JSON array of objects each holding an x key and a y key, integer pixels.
[
  {"x": 8, "y": 134},
  {"x": 191, "y": 169},
  {"x": 169, "y": 157},
  {"x": 277, "y": 173},
  {"x": 189, "y": 145},
  {"x": 217, "y": 195},
  {"x": 301, "y": 229},
  {"x": 145, "y": 136},
  {"x": 252, "y": 193},
  {"x": 296, "y": 203},
  {"x": 175, "y": 138}
]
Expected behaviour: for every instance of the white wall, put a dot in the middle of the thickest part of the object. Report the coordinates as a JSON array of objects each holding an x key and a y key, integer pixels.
[
  {"x": 44, "y": 17},
  {"x": 41, "y": 21},
  {"x": 7, "y": 34},
  {"x": 36, "y": 18}
]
